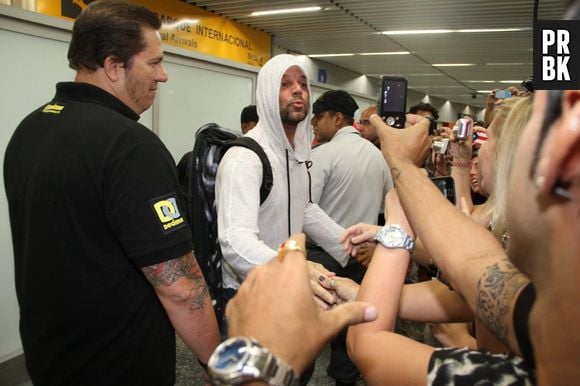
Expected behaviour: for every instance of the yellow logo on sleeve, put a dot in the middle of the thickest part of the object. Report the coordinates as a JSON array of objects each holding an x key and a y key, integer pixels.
[
  {"x": 53, "y": 109},
  {"x": 168, "y": 213}
]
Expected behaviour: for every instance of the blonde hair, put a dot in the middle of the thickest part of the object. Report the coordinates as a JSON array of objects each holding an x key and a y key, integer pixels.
[
  {"x": 486, "y": 210},
  {"x": 507, "y": 141}
]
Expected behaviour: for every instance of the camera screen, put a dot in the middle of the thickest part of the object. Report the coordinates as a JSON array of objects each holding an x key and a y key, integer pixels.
[{"x": 393, "y": 95}]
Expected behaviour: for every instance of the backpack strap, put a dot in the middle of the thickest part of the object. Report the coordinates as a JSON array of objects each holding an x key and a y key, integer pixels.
[{"x": 267, "y": 176}]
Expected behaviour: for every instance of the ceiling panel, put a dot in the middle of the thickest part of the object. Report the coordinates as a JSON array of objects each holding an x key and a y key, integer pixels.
[{"x": 354, "y": 26}]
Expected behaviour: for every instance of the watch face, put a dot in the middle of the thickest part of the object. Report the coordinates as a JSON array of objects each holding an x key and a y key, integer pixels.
[
  {"x": 231, "y": 356},
  {"x": 394, "y": 237}
]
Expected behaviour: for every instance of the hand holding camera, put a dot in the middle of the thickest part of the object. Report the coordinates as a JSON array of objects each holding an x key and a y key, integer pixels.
[{"x": 411, "y": 145}]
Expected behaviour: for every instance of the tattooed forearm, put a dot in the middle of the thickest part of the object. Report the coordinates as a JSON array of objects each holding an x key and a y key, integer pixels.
[
  {"x": 498, "y": 288},
  {"x": 166, "y": 273}
]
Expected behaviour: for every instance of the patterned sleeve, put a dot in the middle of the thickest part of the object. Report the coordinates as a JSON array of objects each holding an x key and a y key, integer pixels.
[{"x": 451, "y": 366}]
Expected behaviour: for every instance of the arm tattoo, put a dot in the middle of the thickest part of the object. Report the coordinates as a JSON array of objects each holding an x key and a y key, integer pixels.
[
  {"x": 166, "y": 273},
  {"x": 497, "y": 290}
]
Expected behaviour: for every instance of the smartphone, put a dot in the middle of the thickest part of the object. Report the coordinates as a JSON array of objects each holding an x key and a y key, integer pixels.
[
  {"x": 503, "y": 94},
  {"x": 392, "y": 101},
  {"x": 447, "y": 186}
]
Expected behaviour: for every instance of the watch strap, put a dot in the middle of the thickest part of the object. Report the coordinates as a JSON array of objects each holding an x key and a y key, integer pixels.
[{"x": 283, "y": 374}]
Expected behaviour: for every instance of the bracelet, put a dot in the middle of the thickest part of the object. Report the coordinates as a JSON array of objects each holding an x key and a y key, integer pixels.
[{"x": 459, "y": 164}]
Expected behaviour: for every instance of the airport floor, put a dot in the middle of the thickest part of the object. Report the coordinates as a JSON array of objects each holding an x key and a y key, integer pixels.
[{"x": 188, "y": 371}]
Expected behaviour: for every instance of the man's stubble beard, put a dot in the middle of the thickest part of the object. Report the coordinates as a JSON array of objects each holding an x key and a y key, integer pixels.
[{"x": 291, "y": 117}]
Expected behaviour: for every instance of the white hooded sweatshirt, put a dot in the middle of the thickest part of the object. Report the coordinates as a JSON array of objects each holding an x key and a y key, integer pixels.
[{"x": 250, "y": 233}]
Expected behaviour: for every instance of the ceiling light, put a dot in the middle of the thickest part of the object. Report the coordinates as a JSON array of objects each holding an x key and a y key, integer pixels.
[
  {"x": 492, "y": 30},
  {"x": 437, "y": 74},
  {"x": 511, "y": 81},
  {"x": 507, "y": 64},
  {"x": 385, "y": 53},
  {"x": 446, "y": 31},
  {"x": 328, "y": 55},
  {"x": 479, "y": 81},
  {"x": 285, "y": 11},
  {"x": 418, "y": 32},
  {"x": 435, "y": 86},
  {"x": 484, "y": 91},
  {"x": 453, "y": 64}
]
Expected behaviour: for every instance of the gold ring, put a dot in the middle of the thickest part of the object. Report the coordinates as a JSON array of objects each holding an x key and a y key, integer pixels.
[
  {"x": 331, "y": 284},
  {"x": 289, "y": 246}
]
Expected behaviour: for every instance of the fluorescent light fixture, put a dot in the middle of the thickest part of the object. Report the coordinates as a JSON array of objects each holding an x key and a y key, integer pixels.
[
  {"x": 453, "y": 64},
  {"x": 479, "y": 81},
  {"x": 492, "y": 30},
  {"x": 447, "y": 31},
  {"x": 384, "y": 53},
  {"x": 507, "y": 64},
  {"x": 437, "y": 74},
  {"x": 484, "y": 91},
  {"x": 328, "y": 55},
  {"x": 511, "y": 81},
  {"x": 285, "y": 11},
  {"x": 180, "y": 23},
  {"x": 435, "y": 86},
  {"x": 418, "y": 32}
]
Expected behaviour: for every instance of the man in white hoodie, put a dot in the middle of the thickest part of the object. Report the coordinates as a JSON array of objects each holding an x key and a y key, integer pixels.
[{"x": 250, "y": 233}]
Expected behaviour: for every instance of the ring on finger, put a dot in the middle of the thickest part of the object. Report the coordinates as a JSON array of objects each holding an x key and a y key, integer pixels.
[{"x": 289, "y": 246}]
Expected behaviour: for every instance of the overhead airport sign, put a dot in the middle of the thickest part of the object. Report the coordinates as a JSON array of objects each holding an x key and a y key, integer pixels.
[{"x": 190, "y": 28}]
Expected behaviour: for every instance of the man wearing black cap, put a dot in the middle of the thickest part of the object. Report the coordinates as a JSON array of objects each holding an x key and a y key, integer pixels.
[
  {"x": 350, "y": 179},
  {"x": 249, "y": 118}
]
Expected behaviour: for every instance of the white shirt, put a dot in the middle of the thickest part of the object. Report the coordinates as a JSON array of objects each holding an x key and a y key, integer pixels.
[
  {"x": 350, "y": 178},
  {"x": 250, "y": 233}
]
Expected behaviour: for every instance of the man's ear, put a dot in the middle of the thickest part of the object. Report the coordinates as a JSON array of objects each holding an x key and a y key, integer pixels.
[
  {"x": 559, "y": 164},
  {"x": 113, "y": 68}
]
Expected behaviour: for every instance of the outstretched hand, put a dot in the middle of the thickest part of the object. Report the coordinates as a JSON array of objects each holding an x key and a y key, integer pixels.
[
  {"x": 275, "y": 306},
  {"x": 358, "y": 236}
]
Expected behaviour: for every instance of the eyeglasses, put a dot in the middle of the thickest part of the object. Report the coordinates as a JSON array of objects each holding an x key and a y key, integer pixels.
[{"x": 364, "y": 122}]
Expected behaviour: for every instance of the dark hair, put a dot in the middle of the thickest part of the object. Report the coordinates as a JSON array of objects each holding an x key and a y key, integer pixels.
[
  {"x": 249, "y": 114},
  {"x": 425, "y": 107},
  {"x": 109, "y": 28}
]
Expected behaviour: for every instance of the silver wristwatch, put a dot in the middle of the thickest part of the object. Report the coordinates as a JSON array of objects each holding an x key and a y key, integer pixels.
[
  {"x": 240, "y": 360},
  {"x": 393, "y": 236}
]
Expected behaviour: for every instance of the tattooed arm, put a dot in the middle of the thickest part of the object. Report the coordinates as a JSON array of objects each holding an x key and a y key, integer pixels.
[
  {"x": 180, "y": 286},
  {"x": 499, "y": 289},
  {"x": 469, "y": 256}
]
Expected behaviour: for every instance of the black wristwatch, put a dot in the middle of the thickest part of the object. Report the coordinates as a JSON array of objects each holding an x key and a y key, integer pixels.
[{"x": 240, "y": 360}]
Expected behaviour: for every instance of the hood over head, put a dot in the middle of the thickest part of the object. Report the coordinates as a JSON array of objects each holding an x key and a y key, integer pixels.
[{"x": 267, "y": 101}]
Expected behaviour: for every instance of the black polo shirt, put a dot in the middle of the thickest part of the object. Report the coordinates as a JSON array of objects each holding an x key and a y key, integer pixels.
[{"x": 93, "y": 198}]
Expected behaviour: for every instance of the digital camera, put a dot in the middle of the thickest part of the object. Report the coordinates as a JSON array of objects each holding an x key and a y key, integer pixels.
[
  {"x": 503, "y": 94},
  {"x": 441, "y": 146},
  {"x": 463, "y": 128}
]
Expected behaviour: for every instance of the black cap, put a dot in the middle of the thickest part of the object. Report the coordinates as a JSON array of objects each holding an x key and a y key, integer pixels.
[
  {"x": 335, "y": 100},
  {"x": 249, "y": 114}
]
